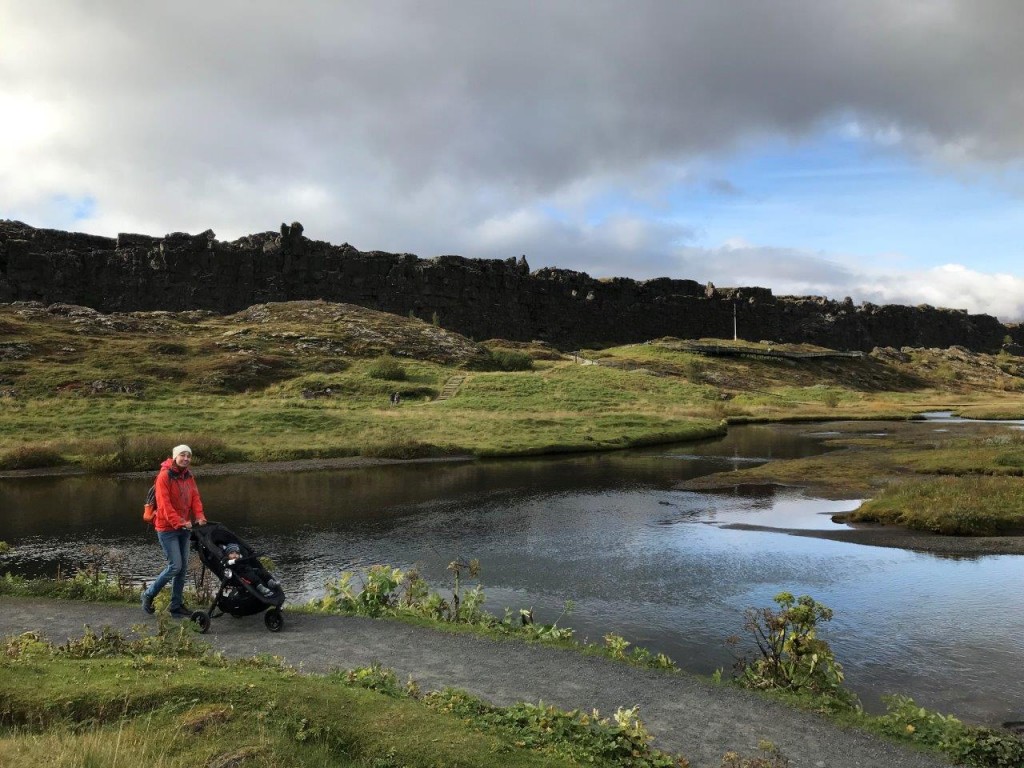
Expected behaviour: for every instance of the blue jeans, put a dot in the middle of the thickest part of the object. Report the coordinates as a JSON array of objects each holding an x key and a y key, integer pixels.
[{"x": 175, "y": 546}]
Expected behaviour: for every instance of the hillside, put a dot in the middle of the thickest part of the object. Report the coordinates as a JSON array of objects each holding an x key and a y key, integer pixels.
[
  {"x": 69, "y": 349},
  {"x": 313, "y": 379}
]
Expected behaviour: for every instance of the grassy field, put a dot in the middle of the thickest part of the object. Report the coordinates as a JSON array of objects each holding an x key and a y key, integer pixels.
[{"x": 313, "y": 379}]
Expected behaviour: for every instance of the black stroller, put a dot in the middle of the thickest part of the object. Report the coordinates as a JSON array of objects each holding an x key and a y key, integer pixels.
[{"x": 246, "y": 587}]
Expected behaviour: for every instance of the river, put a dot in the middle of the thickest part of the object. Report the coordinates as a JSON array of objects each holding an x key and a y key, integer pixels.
[{"x": 611, "y": 533}]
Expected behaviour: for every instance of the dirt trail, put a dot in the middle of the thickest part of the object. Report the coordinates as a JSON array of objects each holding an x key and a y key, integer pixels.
[{"x": 686, "y": 714}]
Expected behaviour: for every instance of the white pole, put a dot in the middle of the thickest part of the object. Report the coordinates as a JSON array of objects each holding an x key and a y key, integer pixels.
[{"x": 735, "y": 335}]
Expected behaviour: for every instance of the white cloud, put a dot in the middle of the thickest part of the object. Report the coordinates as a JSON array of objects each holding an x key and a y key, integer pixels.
[{"x": 951, "y": 285}]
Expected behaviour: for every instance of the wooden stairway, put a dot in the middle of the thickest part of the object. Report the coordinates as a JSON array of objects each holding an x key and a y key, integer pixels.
[{"x": 451, "y": 387}]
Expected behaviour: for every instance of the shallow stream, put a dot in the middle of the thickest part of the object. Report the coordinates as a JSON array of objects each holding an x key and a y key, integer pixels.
[{"x": 612, "y": 534}]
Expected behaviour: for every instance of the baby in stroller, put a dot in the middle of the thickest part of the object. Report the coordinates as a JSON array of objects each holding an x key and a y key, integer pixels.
[
  {"x": 245, "y": 586},
  {"x": 257, "y": 576}
]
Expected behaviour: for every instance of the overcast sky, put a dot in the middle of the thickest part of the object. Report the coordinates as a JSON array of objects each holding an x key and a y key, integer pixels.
[{"x": 870, "y": 149}]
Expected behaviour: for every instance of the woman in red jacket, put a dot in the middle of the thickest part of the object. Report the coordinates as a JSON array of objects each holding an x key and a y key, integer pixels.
[{"x": 177, "y": 506}]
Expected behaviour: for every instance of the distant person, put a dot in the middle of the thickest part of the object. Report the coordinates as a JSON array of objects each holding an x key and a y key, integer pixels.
[
  {"x": 395, "y": 398},
  {"x": 178, "y": 506}
]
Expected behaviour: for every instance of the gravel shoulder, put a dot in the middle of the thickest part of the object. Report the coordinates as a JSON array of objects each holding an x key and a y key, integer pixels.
[{"x": 686, "y": 714}]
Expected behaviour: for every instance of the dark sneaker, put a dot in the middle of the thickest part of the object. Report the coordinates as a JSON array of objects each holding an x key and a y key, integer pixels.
[
  {"x": 181, "y": 612},
  {"x": 147, "y": 603},
  {"x": 273, "y": 583}
]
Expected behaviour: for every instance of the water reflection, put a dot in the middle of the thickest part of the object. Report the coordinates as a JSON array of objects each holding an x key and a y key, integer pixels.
[{"x": 613, "y": 534}]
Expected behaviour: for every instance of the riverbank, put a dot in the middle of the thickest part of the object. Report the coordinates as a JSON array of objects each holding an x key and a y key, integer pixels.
[
  {"x": 245, "y": 467},
  {"x": 901, "y": 538}
]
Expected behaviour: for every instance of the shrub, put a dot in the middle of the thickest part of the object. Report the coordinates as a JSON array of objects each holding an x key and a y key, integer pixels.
[
  {"x": 790, "y": 655},
  {"x": 510, "y": 360},
  {"x": 830, "y": 398},
  {"x": 31, "y": 456},
  {"x": 144, "y": 452},
  {"x": 387, "y": 368}
]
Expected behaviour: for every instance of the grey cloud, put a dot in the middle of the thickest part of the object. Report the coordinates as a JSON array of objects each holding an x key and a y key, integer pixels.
[
  {"x": 423, "y": 126},
  {"x": 531, "y": 94}
]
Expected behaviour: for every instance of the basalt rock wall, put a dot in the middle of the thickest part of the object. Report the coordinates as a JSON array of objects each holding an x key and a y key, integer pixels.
[{"x": 476, "y": 297}]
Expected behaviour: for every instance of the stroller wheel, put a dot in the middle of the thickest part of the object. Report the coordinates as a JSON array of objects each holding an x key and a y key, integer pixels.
[
  {"x": 274, "y": 620},
  {"x": 201, "y": 619}
]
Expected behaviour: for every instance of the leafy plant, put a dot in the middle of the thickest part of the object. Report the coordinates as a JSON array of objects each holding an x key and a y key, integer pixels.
[
  {"x": 376, "y": 597},
  {"x": 387, "y": 591},
  {"x": 376, "y": 677},
  {"x": 543, "y": 632},
  {"x": 969, "y": 745},
  {"x": 616, "y": 645},
  {"x": 577, "y": 736},
  {"x": 789, "y": 654}
]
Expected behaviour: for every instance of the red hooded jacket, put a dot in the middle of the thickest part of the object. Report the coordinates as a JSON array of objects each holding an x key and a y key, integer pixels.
[{"x": 177, "y": 498}]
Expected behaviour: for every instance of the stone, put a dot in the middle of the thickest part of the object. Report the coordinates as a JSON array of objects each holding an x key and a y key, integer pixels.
[{"x": 478, "y": 298}]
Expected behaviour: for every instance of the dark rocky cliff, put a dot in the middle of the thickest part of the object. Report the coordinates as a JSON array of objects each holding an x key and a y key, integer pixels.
[{"x": 475, "y": 297}]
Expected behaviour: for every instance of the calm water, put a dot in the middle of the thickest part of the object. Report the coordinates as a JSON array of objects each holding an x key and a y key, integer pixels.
[{"x": 611, "y": 533}]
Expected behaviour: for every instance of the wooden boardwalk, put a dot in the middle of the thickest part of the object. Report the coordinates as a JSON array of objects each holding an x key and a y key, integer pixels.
[{"x": 716, "y": 350}]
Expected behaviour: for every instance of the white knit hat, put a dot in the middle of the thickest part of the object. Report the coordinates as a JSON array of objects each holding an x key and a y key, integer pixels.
[{"x": 180, "y": 449}]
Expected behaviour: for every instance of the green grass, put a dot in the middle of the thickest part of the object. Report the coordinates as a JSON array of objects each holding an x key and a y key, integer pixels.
[
  {"x": 956, "y": 506},
  {"x": 167, "y": 700},
  {"x": 81, "y": 712},
  {"x": 953, "y": 486}
]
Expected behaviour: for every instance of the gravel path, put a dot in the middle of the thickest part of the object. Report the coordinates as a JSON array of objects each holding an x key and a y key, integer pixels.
[{"x": 686, "y": 714}]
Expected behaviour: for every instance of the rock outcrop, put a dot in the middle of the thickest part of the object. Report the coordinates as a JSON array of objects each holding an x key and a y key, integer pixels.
[{"x": 479, "y": 298}]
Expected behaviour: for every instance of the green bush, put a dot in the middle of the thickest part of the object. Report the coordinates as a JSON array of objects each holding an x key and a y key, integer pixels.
[
  {"x": 790, "y": 656},
  {"x": 387, "y": 368},
  {"x": 510, "y": 360}
]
